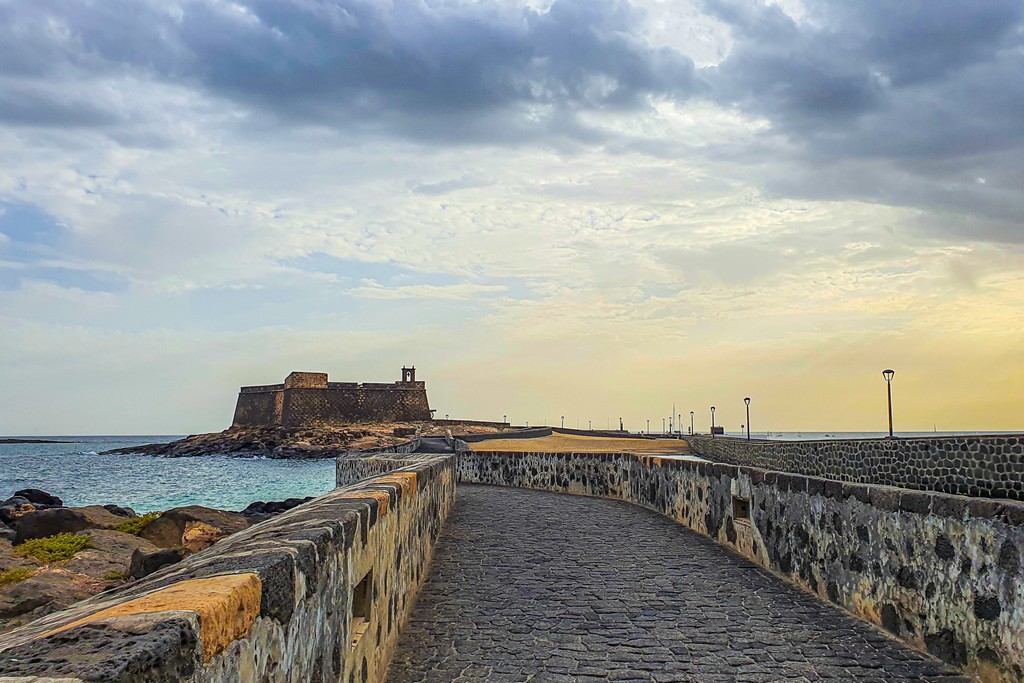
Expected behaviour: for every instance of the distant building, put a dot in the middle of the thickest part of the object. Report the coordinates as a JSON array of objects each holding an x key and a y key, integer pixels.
[{"x": 307, "y": 399}]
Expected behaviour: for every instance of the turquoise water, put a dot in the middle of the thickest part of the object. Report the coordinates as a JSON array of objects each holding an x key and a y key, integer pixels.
[{"x": 79, "y": 475}]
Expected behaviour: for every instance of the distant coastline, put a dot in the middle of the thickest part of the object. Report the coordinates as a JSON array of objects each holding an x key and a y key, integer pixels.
[{"x": 35, "y": 441}]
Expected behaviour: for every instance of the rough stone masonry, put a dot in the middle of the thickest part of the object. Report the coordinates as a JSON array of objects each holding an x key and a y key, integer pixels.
[{"x": 308, "y": 399}]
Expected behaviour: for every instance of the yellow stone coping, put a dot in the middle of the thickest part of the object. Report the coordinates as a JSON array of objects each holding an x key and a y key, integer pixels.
[
  {"x": 381, "y": 497},
  {"x": 407, "y": 480},
  {"x": 227, "y": 607}
]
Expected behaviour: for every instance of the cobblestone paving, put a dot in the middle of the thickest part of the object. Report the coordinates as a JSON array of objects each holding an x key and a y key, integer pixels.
[{"x": 543, "y": 587}]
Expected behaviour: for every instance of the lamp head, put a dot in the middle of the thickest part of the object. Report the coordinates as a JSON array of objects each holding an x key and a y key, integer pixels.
[
  {"x": 888, "y": 375},
  {"x": 747, "y": 400},
  {"x": 712, "y": 409}
]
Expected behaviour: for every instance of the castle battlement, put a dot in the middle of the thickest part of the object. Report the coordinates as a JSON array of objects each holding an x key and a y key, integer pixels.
[{"x": 308, "y": 399}]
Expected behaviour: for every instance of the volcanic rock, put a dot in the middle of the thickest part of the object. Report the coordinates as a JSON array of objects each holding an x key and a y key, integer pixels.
[
  {"x": 39, "y": 497},
  {"x": 143, "y": 564},
  {"x": 193, "y": 527}
]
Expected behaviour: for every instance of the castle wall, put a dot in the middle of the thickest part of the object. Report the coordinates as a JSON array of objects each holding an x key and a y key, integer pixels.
[
  {"x": 365, "y": 403},
  {"x": 307, "y": 399},
  {"x": 259, "y": 408}
]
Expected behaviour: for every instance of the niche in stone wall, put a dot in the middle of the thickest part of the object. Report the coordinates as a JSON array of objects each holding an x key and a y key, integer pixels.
[
  {"x": 362, "y": 596},
  {"x": 740, "y": 509}
]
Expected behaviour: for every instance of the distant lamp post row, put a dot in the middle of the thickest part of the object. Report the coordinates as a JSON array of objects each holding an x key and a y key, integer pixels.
[{"x": 887, "y": 374}]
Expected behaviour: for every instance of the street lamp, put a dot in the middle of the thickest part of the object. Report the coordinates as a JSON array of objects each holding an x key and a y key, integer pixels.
[
  {"x": 888, "y": 375},
  {"x": 648, "y": 426},
  {"x": 712, "y": 421},
  {"x": 691, "y": 422},
  {"x": 590, "y": 425},
  {"x": 563, "y": 422},
  {"x": 504, "y": 418},
  {"x": 747, "y": 401},
  {"x": 446, "y": 416},
  {"x": 662, "y": 425}
]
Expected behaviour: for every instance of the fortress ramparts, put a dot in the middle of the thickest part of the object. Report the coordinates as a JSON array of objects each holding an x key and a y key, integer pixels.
[{"x": 308, "y": 399}]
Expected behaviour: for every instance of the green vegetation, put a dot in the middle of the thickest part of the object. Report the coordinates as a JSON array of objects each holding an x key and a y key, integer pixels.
[
  {"x": 16, "y": 575},
  {"x": 54, "y": 548},
  {"x": 115, "y": 576},
  {"x": 136, "y": 524}
]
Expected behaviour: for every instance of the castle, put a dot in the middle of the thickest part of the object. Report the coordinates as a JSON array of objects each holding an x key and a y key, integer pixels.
[{"x": 307, "y": 399}]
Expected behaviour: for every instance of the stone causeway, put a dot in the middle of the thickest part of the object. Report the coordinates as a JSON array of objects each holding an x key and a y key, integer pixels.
[{"x": 435, "y": 563}]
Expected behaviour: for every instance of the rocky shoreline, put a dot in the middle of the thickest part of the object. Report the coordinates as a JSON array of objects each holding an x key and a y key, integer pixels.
[
  {"x": 52, "y": 556},
  {"x": 280, "y": 442}
]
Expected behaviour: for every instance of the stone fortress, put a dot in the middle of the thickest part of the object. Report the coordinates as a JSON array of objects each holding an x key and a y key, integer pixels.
[{"x": 308, "y": 399}]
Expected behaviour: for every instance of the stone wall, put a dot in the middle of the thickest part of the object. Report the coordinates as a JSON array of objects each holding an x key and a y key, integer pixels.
[
  {"x": 941, "y": 572},
  {"x": 344, "y": 405},
  {"x": 315, "y": 594},
  {"x": 989, "y": 466},
  {"x": 307, "y": 399},
  {"x": 259, "y": 408}
]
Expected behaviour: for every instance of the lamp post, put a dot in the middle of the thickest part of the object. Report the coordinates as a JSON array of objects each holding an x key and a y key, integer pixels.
[
  {"x": 691, "y": 422},
  {"x": 662, "y": 425},
  {"x": 504, "y": 418},
  {"x": 888, "y": 375},
  {"x": 747, "y": 401},
  {"x": 446, "y": 416},
  {"x": 712, "y": 422},
  {"x": 563, "y": 422},
  {"x": 590, "y": 425},
  {"x": 648, "y": 426}
]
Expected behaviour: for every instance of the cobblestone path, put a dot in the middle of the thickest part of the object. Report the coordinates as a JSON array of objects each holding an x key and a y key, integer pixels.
[{"x": 544, "y": 587}]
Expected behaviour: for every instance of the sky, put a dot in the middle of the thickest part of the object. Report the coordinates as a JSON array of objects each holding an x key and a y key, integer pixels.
[{"x": 581, "y": 208}]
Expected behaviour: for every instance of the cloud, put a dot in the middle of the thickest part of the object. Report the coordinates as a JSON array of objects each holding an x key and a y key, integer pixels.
[
  {"x": 430, "y": 71},
  {"x": 897, "y": 103},
  {"x": 374, "y": 290}
]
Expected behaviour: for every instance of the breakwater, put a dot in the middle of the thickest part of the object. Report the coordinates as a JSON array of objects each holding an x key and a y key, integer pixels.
[{"x": 985, "y": 466}]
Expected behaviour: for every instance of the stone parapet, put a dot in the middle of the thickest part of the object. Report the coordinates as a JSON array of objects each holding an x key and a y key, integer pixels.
[
  {"x": 941, "y": 572},
  {"x": 317, "y": 593},
  {"x": 979, "y": 466}
]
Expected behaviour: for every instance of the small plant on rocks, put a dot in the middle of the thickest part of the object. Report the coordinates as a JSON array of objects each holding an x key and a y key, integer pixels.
[
  {"x": 53, "y": 548},
  {"x": 135, "y": 525},
  {"x": 16, "y": 575}
]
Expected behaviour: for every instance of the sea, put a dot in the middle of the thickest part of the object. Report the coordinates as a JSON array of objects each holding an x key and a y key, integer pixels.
[{"x": 79, "y": 474}]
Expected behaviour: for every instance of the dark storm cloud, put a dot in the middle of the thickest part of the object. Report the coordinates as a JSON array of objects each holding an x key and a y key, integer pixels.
[
  {"x": 907, "y": 103},
  {"x": 850, "y": 72},
  {"x": 432, "y": 71}
]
